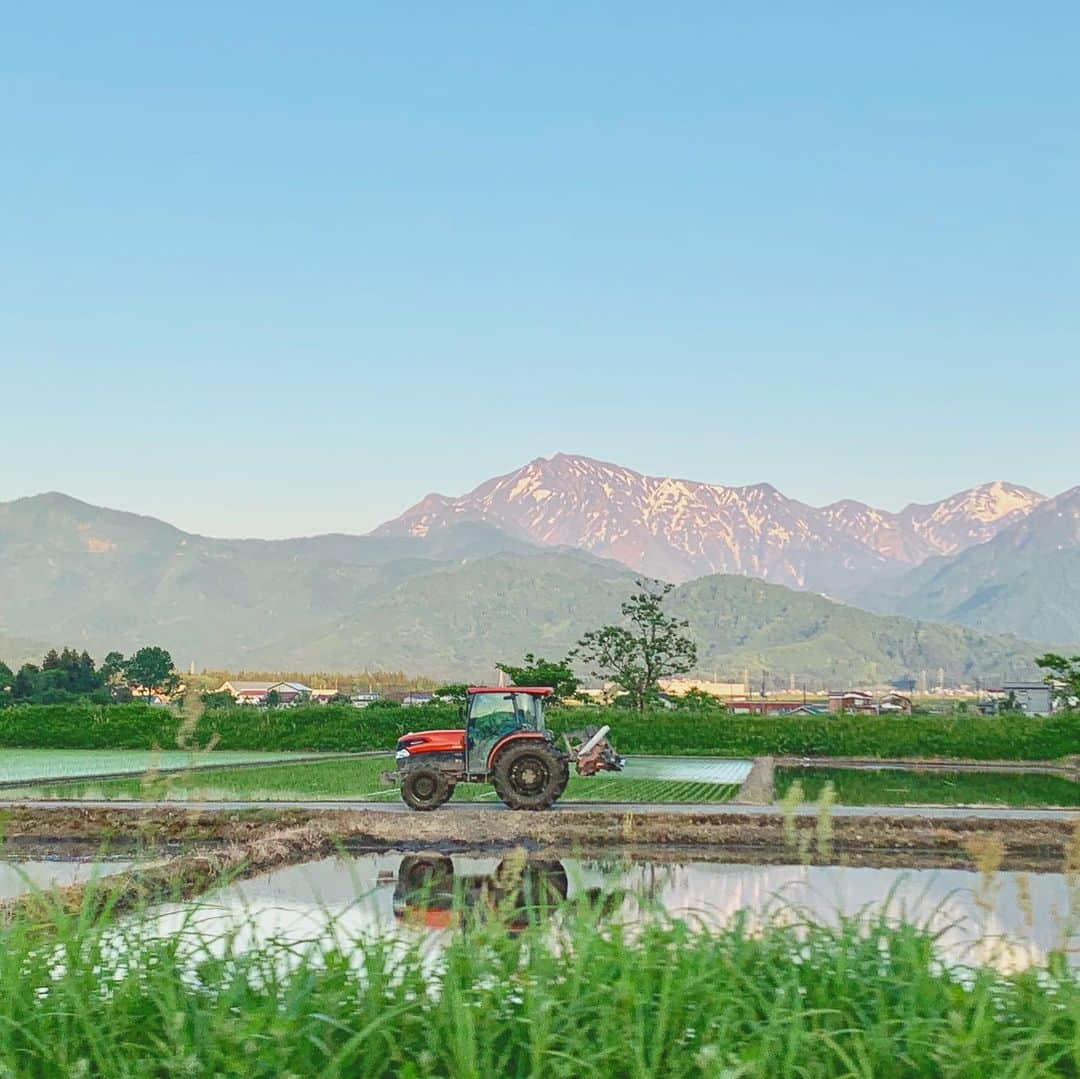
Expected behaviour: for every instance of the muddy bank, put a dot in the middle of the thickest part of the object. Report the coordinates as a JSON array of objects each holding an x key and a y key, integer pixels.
[{"x": 1026, "y": 843}]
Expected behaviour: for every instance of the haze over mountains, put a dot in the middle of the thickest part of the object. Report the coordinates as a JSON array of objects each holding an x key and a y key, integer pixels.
[{"x": 530, "y": 560}]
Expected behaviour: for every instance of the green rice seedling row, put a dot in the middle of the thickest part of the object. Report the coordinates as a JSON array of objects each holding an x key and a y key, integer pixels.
[
  {"x": 894, "y": 786},
  {"x": 355, "y": 778}
]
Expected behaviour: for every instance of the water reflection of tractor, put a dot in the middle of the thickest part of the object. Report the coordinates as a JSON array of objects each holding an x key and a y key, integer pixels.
[
  {"x": 428, "y": 892},
  {"x": 505, "y": 743}
]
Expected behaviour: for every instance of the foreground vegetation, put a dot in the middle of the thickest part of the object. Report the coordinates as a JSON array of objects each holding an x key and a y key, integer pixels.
[
  {"x": 855, "y": 786},
  {"x": 96, "y": 995},
  {"x": 342, "y": 728}
]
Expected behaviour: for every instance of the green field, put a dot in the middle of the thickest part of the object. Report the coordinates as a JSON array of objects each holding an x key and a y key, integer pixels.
[
  {"x": 894, "y": 786},
  {"x": 19, "y": 765},
  {"x": 356, "y": 778}
]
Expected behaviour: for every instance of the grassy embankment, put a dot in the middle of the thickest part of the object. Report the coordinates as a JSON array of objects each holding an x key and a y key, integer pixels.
[
  {"x": 578, "y": 995},
  {"x": 853, "y": 786}
]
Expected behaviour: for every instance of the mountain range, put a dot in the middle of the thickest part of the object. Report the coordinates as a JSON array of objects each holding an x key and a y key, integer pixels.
[
  {"x": 447, "y": 591},
  {"x": 677, "y": 530},
  {"x": 1025, "y": 579}
]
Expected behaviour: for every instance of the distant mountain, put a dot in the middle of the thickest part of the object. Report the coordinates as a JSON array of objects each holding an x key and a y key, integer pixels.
[
  {"x": 448, "y": 602},
  {"x": 15, "y": 651},
  {"x": 72, "y": 573},
  {"x": 920, "y": 531},
  {"x": 1024, "y": 580},
  {"x": 680, "y": 529},
  {"x": 461, "y": 620}
]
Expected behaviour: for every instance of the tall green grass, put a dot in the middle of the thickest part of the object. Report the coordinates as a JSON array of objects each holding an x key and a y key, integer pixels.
[{"x": 97, "y": 995}]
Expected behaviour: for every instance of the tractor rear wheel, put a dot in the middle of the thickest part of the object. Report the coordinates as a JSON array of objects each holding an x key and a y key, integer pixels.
[
  {"x": 425, "y": 788},
  {"x": 529, "y": 774}
]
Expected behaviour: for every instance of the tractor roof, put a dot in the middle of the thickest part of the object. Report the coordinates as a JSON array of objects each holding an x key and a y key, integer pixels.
[{"x": 535, "y": 691}]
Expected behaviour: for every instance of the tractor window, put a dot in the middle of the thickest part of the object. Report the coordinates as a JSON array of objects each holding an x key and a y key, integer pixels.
[
  {"x": 492, "y": 713},
  {"x": 501, "y": 713}
]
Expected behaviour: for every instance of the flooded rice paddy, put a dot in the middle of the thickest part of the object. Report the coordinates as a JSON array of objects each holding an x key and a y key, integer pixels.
[
  {"x": 27, "y": 765},
  {"x": 39, "y": 874},
  {"x": 1008, "y": 919}
]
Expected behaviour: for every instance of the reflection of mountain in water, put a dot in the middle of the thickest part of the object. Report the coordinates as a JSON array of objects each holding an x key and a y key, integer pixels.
[{"x": 358, "y": 893}]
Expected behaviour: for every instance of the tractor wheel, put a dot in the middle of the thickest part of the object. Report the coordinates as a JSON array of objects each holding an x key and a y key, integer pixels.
[
  {"x": 529, "y": 774},
  {"x": 426, "y": 872},
  {"x": 425, "y": 788}
]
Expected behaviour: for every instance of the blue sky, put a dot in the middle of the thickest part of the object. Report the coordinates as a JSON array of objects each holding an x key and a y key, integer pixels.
[{"x": 276, "y": 269}]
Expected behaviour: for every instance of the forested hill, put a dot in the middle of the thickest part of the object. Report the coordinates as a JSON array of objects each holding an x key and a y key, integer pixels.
[{"x": 445, "y": 605}]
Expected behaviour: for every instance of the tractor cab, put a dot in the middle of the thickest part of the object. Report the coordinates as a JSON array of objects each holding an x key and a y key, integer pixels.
[{"x": 494, "y": 714}]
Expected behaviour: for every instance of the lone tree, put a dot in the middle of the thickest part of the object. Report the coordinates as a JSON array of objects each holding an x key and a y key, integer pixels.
[
  {"x": 152, "y": 670},
  {"x": 636, "y": 656},
  {"x": 537, "y": 671},
  {"x": 112, "y": 668},
  {"x": 1063, "y": 677}
]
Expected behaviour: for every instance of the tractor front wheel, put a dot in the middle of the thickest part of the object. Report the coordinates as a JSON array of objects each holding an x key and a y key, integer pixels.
[
  {"x": 529, "y": 775},
  {"x": 425, "y": 788}
]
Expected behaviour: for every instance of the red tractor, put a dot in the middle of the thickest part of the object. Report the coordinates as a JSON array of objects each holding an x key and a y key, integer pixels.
[{"x": 504, "y": 743}]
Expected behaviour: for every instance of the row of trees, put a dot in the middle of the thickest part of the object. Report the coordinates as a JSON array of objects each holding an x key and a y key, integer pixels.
[{"x": 69, "y": 675}]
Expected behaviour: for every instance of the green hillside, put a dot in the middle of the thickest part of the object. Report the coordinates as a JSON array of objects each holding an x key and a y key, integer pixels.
[
  {"x": 448, "y": 606},
  {"x": 100, "y": 579},
  {"x": 458, "y": 622},
  {"x": 740, "y": 622},
  {"x": 1025, "y": 581}
]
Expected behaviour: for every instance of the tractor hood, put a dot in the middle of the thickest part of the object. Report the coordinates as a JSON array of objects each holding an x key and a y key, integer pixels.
[{"x": 448, "y": 741}]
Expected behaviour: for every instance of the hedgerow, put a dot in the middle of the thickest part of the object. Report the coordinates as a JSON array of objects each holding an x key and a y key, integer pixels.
[
  {"x": 724, "y": 735},
  {"x": 324, "y": 727},
  {"x": 343, "y": 728},
  {"x": 82, "y": 725}
]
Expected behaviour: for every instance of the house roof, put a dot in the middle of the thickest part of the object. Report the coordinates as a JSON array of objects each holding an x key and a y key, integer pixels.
[{"x": 247, "y": 687}]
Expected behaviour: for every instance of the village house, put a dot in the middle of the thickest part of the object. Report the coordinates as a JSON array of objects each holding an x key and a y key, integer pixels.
[
  {"x": 258, "y": 693},
  {"x": 852, "y": 700},
  {"x": 764, "y": 706}
]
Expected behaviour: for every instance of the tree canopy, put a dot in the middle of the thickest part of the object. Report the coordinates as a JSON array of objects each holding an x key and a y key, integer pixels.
[
  {"x": 151, "y": 669},
  {"x": 1063, "y": 677},
  {"x": 537, "y": 671},
  {"x": 650, "y": 645}
]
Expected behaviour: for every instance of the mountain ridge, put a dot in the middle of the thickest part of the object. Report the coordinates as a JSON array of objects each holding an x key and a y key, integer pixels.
[
  {"x": 678, "y": 529},
  {"x": 1024, "y": 580},
  {"x": 447, "y": 604}
]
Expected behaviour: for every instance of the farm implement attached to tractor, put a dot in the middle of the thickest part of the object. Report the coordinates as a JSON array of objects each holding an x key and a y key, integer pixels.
[{"x": 504, "y": 743}]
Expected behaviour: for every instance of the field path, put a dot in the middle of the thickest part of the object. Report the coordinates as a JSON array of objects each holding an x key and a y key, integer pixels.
[{"x": 719, "y": 809}]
